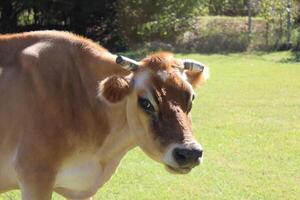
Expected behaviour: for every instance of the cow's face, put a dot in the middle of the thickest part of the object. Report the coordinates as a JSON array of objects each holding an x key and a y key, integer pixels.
[{"x": 159, "y": 112}]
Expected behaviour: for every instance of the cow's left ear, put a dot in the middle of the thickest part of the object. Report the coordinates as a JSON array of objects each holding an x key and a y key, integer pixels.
[
  {"x": 114, "y": 88},
  {"x": 196, "y": 78}
]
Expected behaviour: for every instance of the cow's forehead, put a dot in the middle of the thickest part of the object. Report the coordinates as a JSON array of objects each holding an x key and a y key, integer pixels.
[
  {"x": 161, "y": 61},
  {"x": 172, "y": 86},
  {"x": 164, "y": 86},
  {"x": 165, "y": 65},
  {"x": 157, "y": 72}
]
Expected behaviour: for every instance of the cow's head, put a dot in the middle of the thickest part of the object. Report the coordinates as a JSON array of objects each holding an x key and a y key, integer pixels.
[{"x": 159, "y": 96}]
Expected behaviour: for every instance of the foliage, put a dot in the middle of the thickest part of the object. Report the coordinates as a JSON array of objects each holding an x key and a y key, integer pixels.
[
  {"x": 228, "y": 7},
  {"x": 93, "y": 18},
  {"x": 119, "y": 24},
  {"x": 279, "y": 15},
  {"x": 296, "y": 39},
  {"x": 148, "y": 19},
  {"x": 214, "y": 34},
  {"x": 163, "y": 22}
]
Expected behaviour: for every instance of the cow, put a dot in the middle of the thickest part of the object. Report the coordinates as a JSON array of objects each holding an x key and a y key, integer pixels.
[{"x": 70, "y": 110}]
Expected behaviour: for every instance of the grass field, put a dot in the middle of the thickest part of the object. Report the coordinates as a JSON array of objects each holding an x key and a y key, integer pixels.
[{"x": 247, "y": 117}]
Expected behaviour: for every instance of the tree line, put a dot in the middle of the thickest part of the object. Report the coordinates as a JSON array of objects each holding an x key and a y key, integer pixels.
[{"x": 117, "y": 23}]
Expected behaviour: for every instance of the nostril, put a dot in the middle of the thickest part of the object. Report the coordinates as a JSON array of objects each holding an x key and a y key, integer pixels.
[
  {"x": 187, "y": 156},
  {"x": 181, "y": 156},
  {"x": 197, "y": 153}
]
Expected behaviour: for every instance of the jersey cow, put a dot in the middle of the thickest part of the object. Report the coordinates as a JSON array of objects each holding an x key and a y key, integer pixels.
[{"x": 70, "y": 110}]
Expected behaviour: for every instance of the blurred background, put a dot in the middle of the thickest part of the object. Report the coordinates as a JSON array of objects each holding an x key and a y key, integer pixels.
[{"x": 205, "y": 26}]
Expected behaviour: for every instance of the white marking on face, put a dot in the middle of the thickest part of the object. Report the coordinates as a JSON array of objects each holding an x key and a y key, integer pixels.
[
  {"x": 141, "y": 82},
  {"x": 1, "y": 71},
  {"x": 184, "y": 78},
  {"x": 168, "y": 158},
  {"x": 163, "y": 75}
]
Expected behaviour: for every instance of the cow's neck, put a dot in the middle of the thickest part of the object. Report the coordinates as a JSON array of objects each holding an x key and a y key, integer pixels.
[
  {"x": 94, "y": 67},
  {"x": 120, "y": 139},
  {"x": 100, "y": 65},
  {"x": 96, "y": 168}
]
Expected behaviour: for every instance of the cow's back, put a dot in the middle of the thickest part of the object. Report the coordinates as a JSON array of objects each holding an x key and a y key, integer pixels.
[
  {"x": 27, "y": 75},
  {"x": 48, "y": 105},
  {"x": 43, "y": 98}
]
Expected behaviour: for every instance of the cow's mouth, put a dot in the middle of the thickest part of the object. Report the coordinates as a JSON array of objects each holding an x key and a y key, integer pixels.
[{"x": 178, "y": 170}]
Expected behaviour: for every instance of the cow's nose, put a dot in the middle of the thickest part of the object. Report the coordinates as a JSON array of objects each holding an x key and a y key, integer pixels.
[{"x": 187, "y": 157}]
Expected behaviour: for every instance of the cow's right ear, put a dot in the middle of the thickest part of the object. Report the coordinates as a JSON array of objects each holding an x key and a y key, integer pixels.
[{"x": 113, "y": 89}]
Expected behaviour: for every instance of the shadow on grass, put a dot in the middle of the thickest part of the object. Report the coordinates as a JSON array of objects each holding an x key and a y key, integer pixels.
[{"x": 294, "y": 58}]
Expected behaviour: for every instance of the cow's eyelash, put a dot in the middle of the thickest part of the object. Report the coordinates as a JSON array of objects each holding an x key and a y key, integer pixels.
[
  {"x": 189, "y": 108},
  {"x": 146, "y": 105}
]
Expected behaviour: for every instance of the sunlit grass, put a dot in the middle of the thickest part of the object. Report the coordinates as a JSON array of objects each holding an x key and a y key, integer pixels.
[{"x": 247, "y": 117}]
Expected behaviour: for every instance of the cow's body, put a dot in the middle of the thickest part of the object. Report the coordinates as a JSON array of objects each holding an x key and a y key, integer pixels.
[
  {"x": 55, "y": 134},
  {"x": 48, "y": 113}
]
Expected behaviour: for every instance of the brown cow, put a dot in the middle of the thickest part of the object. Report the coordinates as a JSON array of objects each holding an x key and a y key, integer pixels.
[{"x": 69, "y": 113}]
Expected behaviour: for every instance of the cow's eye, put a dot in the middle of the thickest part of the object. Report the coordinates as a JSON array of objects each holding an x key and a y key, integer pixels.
[
  {"x": 146, "y": 105},
  {"x": 193, "y": 97}
]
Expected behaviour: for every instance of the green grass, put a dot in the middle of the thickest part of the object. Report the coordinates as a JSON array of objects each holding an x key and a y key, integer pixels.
[{"x": 247, "y": 117}]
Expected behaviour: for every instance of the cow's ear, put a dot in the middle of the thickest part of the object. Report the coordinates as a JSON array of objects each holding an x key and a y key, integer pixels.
[
  {"x": 197, "y": 78},
  {"x": 114, "y": 88}
]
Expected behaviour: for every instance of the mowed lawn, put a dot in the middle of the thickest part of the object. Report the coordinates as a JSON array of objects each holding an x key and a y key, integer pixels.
[{"x": 247, "y": 117}]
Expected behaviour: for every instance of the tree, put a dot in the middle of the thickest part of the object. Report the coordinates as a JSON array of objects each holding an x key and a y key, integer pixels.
[
  {"x": 9, "y": 14},
  {"x": 289, "y": 21},
  {"x": 228, "y": 7},
  {"x": 148, "y": 19},
  {"x": 93, "y": 18},
  {"x": 274, "y": 12},
  {"x": 249, "y": 7}
]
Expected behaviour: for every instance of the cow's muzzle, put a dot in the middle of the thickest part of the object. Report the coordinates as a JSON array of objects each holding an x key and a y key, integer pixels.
[
  {"x": 187, "y": 157},
  {"x": 182, "y": 159}
]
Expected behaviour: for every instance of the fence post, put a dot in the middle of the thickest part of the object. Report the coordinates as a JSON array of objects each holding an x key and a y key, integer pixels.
[
  {"x": 249, "y": 6},
  {"x": 289, "y": 22}
]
